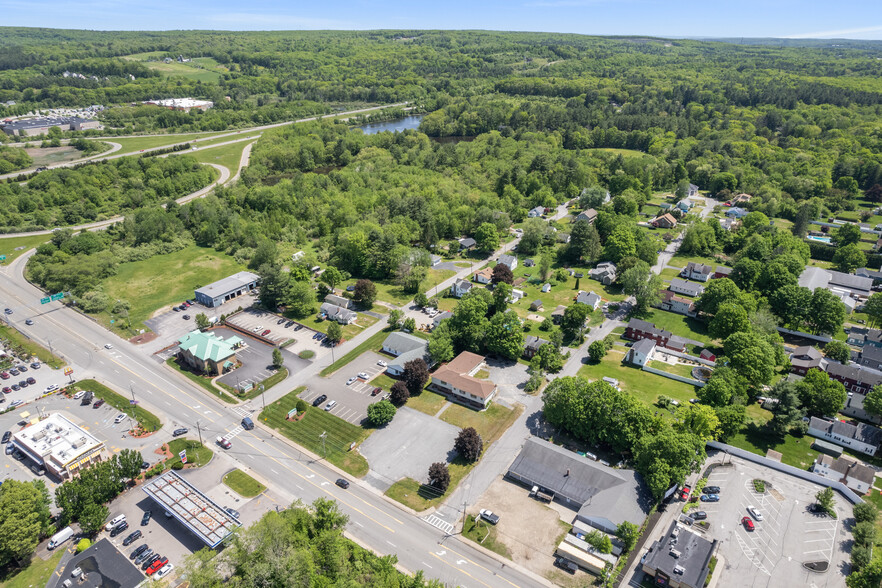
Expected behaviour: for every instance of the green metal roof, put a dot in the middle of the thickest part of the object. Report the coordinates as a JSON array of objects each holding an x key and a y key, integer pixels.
[{"x": 207, "y": 346}]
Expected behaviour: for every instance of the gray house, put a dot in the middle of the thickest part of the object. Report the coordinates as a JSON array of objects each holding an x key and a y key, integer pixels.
[{"x": 404, "y": 347}]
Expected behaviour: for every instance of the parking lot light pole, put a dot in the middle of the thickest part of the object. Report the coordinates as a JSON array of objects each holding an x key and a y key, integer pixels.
[{"x": 262, "y": 396}]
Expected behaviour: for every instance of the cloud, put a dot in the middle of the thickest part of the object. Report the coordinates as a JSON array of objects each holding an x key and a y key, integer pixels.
[{"x": 838, "y": 33}]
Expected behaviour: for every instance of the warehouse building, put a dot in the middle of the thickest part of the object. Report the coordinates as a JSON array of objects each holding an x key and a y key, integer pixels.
[
  {"x": 224, "y": 290},
  {"x": 60, "y": 446},
  {"x": 31, "y": 127}
]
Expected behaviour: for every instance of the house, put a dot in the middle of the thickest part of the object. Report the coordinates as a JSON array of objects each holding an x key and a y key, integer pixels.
[
  {"x": 338, "y": 301},
  {"x": 226, "y": 289},
  {"x": 404, "y": 347},
  {"x": 532, "y": 345},
  {"x": 855, "y": 475},
  {"x": 860, "y": 437},
  {"x": 666, "y": 206},
  {"x": 460, "y": 288},
  {"x": 857, "y": 379},
  {"x": 563, "y": 238},
  {"x": 441, "y": 316},
  {"x": 854, "y": 407},
  {"x": 685, "y": 287},
  {"x": 483, "y": 276},
  {"x": 332, "y": 312},
  {"x": 558, "y": 313},
  {"x": 207, "y": 353},
  {"x": 586, "y": 215},
  {"x": 638, "y": 329},
  {"x": 546, "y": 288},
  {"x": 697, "y": 271},
  {"x": 680, "y": 559},
  {"x": 435, "y": 259},
  {"x": 641, "y": 352},
  {"x": 870, "y": 356},
  {"x": 721, "y": 272},
  {"x": 730, "y": 224},
  {"x": 603, "y": 497},
  {"x": 693, "y": 191},
  {"x": 665, "y": 221},
  {"x": 862, "y": 336},
  {"x": 673, "y": 303},
  {"x": 736, "y": 212},
  {"x": 707, "y": 355},
  {"x": 467, "y": 244},
  {"x": 456, "y": 380},
  {"x": 589, "y": 298},
  {"x": 529, "y": 263},
  {"x": 536, "y": 305},
  {"x": 510, "y": 260},
  {"x": 536, "y": 212},
  {"x": 841, "y": 284},
  {"x": 605, "y": 273},
  {"x": 741, "y": 199},
  {"x": 806, "y": 358}
]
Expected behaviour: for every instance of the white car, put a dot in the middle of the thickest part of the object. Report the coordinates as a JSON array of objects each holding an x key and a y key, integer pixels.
[
  {"x": 120, "y": 418},
  {"x": 167, "y": 568},
  {"x": 351, "y": 380},
  {"x": 363, "y": 376},
  {"x": 108, "y": 346},
  {"x": 51, "y": 388},
  {"x": 79, "y": 394},
  {"x": 382, "y": 363},
  {"x": 755, "y": 513}
]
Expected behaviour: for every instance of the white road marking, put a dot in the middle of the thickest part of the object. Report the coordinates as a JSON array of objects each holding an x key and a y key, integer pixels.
[
  {"x": 390, "y": 543},
  {"x": 427, "y": 565},
  {"x": 274, "y": 471}
]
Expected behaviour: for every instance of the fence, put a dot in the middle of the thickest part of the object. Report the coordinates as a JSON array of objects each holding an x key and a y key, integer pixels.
[
  {"x": 821, "y": 338},
  {"x": 706, "y": 362},
  {"x": 787, "y": 469},
  {"x": 683, "y": 379}
]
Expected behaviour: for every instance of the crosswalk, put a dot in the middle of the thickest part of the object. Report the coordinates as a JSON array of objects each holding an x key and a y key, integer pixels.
[
  {"x": 439, "y": 523},
  {"x": 234, "y": 432},
  {"x": 240, "y": 411}
]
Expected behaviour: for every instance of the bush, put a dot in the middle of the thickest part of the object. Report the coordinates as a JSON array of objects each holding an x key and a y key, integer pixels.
[
  {"x": 864, "y": 512},
  {"x": 759, "y": 486},
  {"x": 439, "y": 476},
  {"x": 399, "y": 393},
  {"x": 380, "y": 413},
  {"x": 306, "y": 354},
  {"x": 301, "y": 405},
  {"x": 177, "y": 465},
  {"x": 83, "y": 545}
]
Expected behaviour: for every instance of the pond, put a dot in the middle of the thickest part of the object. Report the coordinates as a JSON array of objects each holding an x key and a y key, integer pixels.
[{"x": 395, "y": 126}]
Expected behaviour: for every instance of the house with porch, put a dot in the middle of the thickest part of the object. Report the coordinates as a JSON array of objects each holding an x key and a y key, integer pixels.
[
  {"x": 853, "y": 474},
  {"x": 860, "y": 437},
  {"x": 457, "y": 381},
  {"x": 673, "y": 303},
  {"x": 686, "y": 287}
]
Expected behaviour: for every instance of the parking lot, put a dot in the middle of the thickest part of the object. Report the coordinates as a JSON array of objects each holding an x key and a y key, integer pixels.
[
  {"x": 257, "y": 361},
  {"x": 787, "y": 536},
  {"x": 43, "y": 376},
  {"x": 259, "y": 321},
  {"x": 352, "y": 399}
]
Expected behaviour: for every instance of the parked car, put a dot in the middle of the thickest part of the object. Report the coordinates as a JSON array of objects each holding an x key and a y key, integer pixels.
[
  {"x": 21, "y": 368},
  {"x": 319, "y": 400},
  {"x": 176, "y": 309},
  {"x": 148, "y": 554},
  {"x": 14, "y": 372},
  {"x": 186, "y": 317},
  {"x": 167, "y": 568},
  {"x": 119, "y": 528},
  {"x": 710, "y": 498},
  {"x": 348, "y": 289},
  {"x": 146, "y": 518},
  {"x": 298, "y": 327},
  {"x": 363, "y": 376},
  {"x": 257, "y": 329},
  {"x": 32, "y": 381},
  {"x": 180, "y": 431},
  {"x": 265, "y": 333},
  {"x": 114, "y": 522},
  {"x": 4, "y": 375},
  {"x": 342, "y": 483},
  {"x": 132, "y": 537},
  {"x": 350, "y": 381},
  {"x": 50, "y": 388},
  {"x": 10, "y": 448},
  {"x": 748, "y": 524},
  {"x": 6, "y": 437},
  {"x": 29, "y": 322},
  {"x": 119, "y": 418},
  {"x": 138, "y": 551},
  {"x": 23, "y": 383},
  {"x": 330, "y": 406},
  {"x": 232, "y": 512},
  {"x": 755, "y": 513},
  {"x": 489, "y": 516},
  {"x": 108, "y": 346},
  {"x": 15, "y": 403},
  {"x": 711, "y": 490},
  {"x": 7, "y": 310},
  {"x": 35, "y": 365},
  {"x": 698, "y": 515},
  {"x": 382, "y": 363},
  {"x": 376, "y": 391},
  {"x": 150, "y": 561},
  {"x": 98, "y": 403},
  {"x": 156, "y": 565},
  {"x": 7, "y": 389},
  {"x": 280, "y": 321},
  {"x": 684, "y": 492},
  {"x": 225, "y": 443}
]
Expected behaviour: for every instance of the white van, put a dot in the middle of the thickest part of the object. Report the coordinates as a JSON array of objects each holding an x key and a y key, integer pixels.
[
  {"x": 60, "y": 537},
  {"x": 116, "y": 520}
]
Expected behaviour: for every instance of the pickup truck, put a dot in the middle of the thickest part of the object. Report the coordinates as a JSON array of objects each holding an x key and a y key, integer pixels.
[{"x": 540, "y": 495}]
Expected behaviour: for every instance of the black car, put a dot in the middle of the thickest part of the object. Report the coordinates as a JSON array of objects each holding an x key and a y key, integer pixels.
[
  {"x": 342, "y": 483},
  {"x": 133, "y": 536},
  {"x": 320, "y": 399},
  {"x": 21, "y": 368},
  {"x": 698, "y": 515},
  {"x": 181, "y": 431},
  {"x": 150, "y": 560},
  {"x": 138, "y": 551},
  {"x": 6, "y": 436},
  {"x": 145, "y": 465},
  {"x": 232, "y": 512},
  {"x": 146, "y": 518},
  {"x": 176, "y": 309},
  {"x": 98, "y": 403},
  {"x": 32, "y": 381},
  {"x": 711, "y": 490},
  {"x": 186, "y": 317},
  {"x": 280, "y": 321},
  {"x": 16, "y": 387},
  {"x": 14, "y": 372},
  {"x": 119, "y": 528},
  {"x": 143, "y": 557},
  {"x": 23, "y": 384}
]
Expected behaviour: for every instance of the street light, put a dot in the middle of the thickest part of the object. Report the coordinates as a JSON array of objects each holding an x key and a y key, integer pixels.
[{"x": 262, "y": 396}]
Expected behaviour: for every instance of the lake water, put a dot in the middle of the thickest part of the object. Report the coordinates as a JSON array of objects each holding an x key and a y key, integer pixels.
[{"x": 402, "y": 124}]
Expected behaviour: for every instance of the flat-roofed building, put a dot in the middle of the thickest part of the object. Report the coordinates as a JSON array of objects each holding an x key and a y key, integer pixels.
[
  {"x": 59, "y": 445},
  {"x": 224, "y": 290},
  {"x": 680, "y": 559}
]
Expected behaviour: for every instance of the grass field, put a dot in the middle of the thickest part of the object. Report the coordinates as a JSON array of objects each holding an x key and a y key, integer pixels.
[
  {"x": 307, "y": 432},
  {"x": 12, "y": 247},
  {"x": 135, "y": 144},
  {"x": 681, "y": 260},
  {"x": 427, "y": 402},
  {"x": 200, "y": 381},
  {"x": 375, "y": 342},
  {"x": 642, "y": 385},
  {"x": 197, "y": 453},
  {"x": 185, "y": 70},
  {"x": 418, "y": 496},
  {"x": 228, "y": 156},
  {"x": 794, "y": 451},
  {"x": 36, "y": 574},
  {"x": 490, "y": 423},
  {"x": 390, "y": 292},
  {"x": 679, "y": 324},
  {"x": 623, "y": 152},
  {"x": 166, "y": 279},
  {"x": 484, "y": 534},
  {"x": 349, "y": 331},
  {"x": 147, "y": 419},
  {"x": 20, "y": 342},
  {"x": 243, "y": 484},
  {"x": 53, "y": 155}
]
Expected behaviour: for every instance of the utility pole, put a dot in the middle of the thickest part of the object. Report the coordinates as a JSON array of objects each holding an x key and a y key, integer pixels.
[
  {"x": 199, "y": 429},
  {"x": 323, "y": 436},
  {"x": 263, "y": 396},
  {"x": 134, "y": 403}
]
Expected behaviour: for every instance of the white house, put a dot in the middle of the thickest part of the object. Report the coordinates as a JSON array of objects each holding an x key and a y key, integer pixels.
[
  {"x": 510, "y": 260},
  {"x": 686, "y": 287},
  {"x": 860, "y": 437},
  {"x": 855, "y": 475},
  {"x": 546, "y": 287},
  {"x": 697, "y": 271},
  {"x": 483, "y": 276},
  {"x": 693, "y": 191},
  {"x": 589, "y": 298},
  {"x": 641, "y": 352},
  {"x": 460, "y": 288},
  {"x": 536, "y": 212},
  {"x": 333, "y": 312}
]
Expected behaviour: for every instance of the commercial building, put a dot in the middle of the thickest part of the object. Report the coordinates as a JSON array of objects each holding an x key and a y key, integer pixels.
[
  {"x": 182, "y": 103},
  {"x": 841, "y": 284},
  {"x": 680, "y": 559},
  {"x": 196, "y": 511},
  {"x": 860, "y": 437},
  {"x": 59, "y": 445},
  {"x": 225, "y": 290},
  {"x": 207, "y": 353},
  {"x": 404, "y": 348},
  {"x": 602, "y": 496},
  {"x": 30, "y": 127},
  {"x": 458, "y": 382}
]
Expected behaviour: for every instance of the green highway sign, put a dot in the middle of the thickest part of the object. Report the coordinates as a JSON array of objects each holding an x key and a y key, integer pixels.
[
  {"x": 58, "y": 296},
  {"x": 44, "y": 300}
]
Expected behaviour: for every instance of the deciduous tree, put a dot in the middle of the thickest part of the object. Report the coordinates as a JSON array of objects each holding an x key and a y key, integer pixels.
[
  {"x": 380, "y": 413},
  {"x": 487, "y": 238},
  {"x": 399, "y": 393},
  {"x": 504, "y": 335},
  {"x": 751, "y": 356},
  {"x": 365, "y": 293},
  {"x": 416, "y": 375},
  {"x": 440, "y": 345},
  {"x": 278, "y": 360},
  {"x": 439, "y": 476},
  {"x": 335, "y": 332},
  {"x": 848, "y": 258},
  {"x": 24, "y": 518},
  {"x": 820, "y": 395},
  {"x": 838, "y": 351},
  {"x": 469, "y": 444},
  {"x": 730, "y": 318},
  {"x": 502, "y": 274}
]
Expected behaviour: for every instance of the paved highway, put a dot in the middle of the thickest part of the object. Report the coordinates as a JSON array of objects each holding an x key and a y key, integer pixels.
[{"x": 374, "y": 521}]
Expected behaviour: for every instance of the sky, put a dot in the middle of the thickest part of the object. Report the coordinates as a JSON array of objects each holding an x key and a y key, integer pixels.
[{"x": 852, "y": 19}]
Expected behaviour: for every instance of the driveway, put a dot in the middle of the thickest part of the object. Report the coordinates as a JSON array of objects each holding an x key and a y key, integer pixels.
[
  {"x": 510, "y": 376},
  {"x": 406, "y": 447},
  {"x": 352, "y": 399}
]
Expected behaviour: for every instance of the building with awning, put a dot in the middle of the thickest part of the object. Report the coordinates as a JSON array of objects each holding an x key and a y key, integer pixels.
[{"x": 57, "y": 444}]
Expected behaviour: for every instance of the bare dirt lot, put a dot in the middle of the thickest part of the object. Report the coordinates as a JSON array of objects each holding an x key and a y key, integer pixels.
[{"x": 529, "y": 529}]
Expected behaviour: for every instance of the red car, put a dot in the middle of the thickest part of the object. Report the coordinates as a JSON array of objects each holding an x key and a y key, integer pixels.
[
  {"x": 7, "y": 390},
  {"x": 4, "y": 375},
  {"x": 748, "y": 524},
  {"x": 265, "y": 333},
  {"x": 684, "y": 493},
  {"x": 156, "y": 565},
  {"x": 376, "y": 391}
]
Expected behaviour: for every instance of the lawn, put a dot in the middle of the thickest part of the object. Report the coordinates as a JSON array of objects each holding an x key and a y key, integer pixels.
[
  {"x": 54, "y": 155},
  {"x": 679, "y": 324},
  {"x": 375, "y": 343},
  {"x": 197, "y": 453},
  {"x": 490, "y": 423},
  {"x": 136, "y": 143},
  {"x": 36, "y": 574},
  {"x": 389, "y": 291},
  {"x": 243, "y": 484},
  {"x": 678, "y": 369},
  {"x": 794, "y": 451},
  {"x": 642, "y": 385},
  {"x": 349, "y": 331},
  {"x": 12, "y": 247},
  {"x": 427, "y": 402},
  {"x": 163, "y": 280},
  {"x": 185, "y": 70},
  {"x": 147, "y": 419},
  {"x": 200, "y": 381},
  {"x": 669, "y": 273},
  {"x": 19, "y": 342},
  {"x": 307, "y": 432},
  {"x": 418, "y": 496},
  {"x": 626, "y": 153},
  {"x": 681, "y": 260},
  {"x": 483, "y": 533},
  {"x": 228, "y": 156}
]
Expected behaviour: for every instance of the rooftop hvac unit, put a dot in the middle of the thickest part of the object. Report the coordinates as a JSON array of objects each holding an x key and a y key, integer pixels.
[
  {"x": 679, "y": 570},
  {"x": 675, "y": 553},
  {"x": 58, "y": 428}
]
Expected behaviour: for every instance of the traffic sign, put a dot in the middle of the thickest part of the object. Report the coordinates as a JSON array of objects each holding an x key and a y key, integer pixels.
[
  {"x": 57, "y": 296},
  {"x": 44, "y": 300},
  {"x": 133, "y": 402},
  {"x": 183, "y": 456}
]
